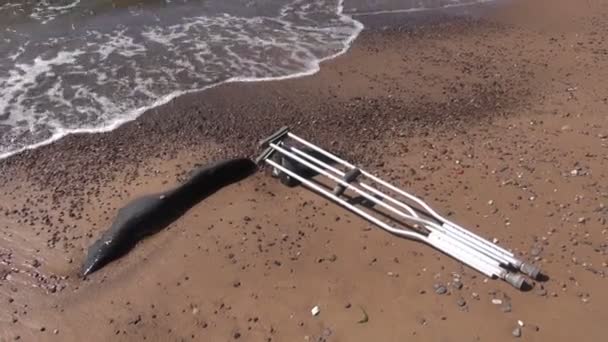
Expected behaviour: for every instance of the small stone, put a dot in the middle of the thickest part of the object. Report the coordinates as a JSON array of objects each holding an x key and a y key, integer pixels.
[
  {"x": 348, "y": 305},
  {"x": 516, "y": 332},
  {"x": 496, "y": 301},
  {"x": 574, "y": 172},
  {"x": 315, "y": 311},
  {"x": 457, "y": 284},
  {"x": 461, "y": 302},
  {"x": 506, "y": 308},
  {"x": 541, "y": 292},
  {"x": 56, "y": 331},
  {"x": 237, "y": 335},
  {"x": 440, "y": 289},
  {"x": 566, "y": 127},
  {"x": 364, "y": 318},
  {"x": 475, "y": 295},
  {"x": 582, "y": 220},
  {"x": 536, "y": 250}
]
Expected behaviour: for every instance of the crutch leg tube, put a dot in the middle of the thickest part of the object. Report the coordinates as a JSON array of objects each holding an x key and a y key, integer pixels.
[{"x": 393, "y": 209}]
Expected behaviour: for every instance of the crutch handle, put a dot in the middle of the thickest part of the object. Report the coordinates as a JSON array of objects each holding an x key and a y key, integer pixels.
[
  {"x": 274, "y": 137},
  {"x": 349, "y": 177}
]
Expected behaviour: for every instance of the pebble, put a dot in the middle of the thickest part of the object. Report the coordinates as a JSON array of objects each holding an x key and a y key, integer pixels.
[
  {"x": 457, "y": 284},
  {"x": 461, "y": 302},
  {"x": 506, "y": 308},
  {"x": 516, "y": 332},
  {"x": 536, "y": 250},
  {"x": 440, "y": 289},
  {"x": 496, "y": 301},
  {"x": 315, "y": 311}
]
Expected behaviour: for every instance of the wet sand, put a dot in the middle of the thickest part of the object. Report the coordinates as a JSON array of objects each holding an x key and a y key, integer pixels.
[{"x": 499, "y": 118}]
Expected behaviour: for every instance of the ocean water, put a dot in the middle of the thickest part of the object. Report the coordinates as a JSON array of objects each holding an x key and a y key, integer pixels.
[{"x": 90, "y": 65}]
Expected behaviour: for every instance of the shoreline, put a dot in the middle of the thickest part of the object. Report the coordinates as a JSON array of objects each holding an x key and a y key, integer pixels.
[
  {"x": 314, "y": 67},
  {"x": 416, "y": 17},
  {"x": 497, "y": 123},
  {"x": 186, "y": 102}
]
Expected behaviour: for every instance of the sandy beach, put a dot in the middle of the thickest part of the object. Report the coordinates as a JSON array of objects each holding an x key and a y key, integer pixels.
[{"x": 496, "y": 115}]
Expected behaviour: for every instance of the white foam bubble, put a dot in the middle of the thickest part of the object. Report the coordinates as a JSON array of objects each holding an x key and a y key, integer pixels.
[
  {"x": 453, "y": 4},
  {"x": 45, "y": 12},
  {"x": 23, "y": 76},
  {"x": 64, "y": 7}
]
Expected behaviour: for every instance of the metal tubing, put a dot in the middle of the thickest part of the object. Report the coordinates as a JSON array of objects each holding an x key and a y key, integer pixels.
[
  {"x": 444, "y": 245},
  {"x": 359, "y": 191},
  {"x": 464, "y": 255},
  {"x": 480, "y": 247},
  {"x": 468, "y": 250},
  {"x": 363, "y": 185},
  {"x": 395, "y": 189},
  {"x": 313, "y": 186},
  {"x": 473, "y": 247},
  {"x": 462, "y": 238},
  {"x": 451, "y": 225}
]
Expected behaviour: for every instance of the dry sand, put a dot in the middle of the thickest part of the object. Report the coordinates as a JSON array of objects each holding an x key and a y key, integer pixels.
[{"x": 499, "y": 117}]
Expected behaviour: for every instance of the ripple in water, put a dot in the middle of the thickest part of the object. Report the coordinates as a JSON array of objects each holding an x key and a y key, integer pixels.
[
  {"x": 72, "y": 68},
  {"x": 89, "y": 66}
]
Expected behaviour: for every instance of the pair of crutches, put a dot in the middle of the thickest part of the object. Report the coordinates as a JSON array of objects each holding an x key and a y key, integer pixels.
[{"x": 295, "y": 160}]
